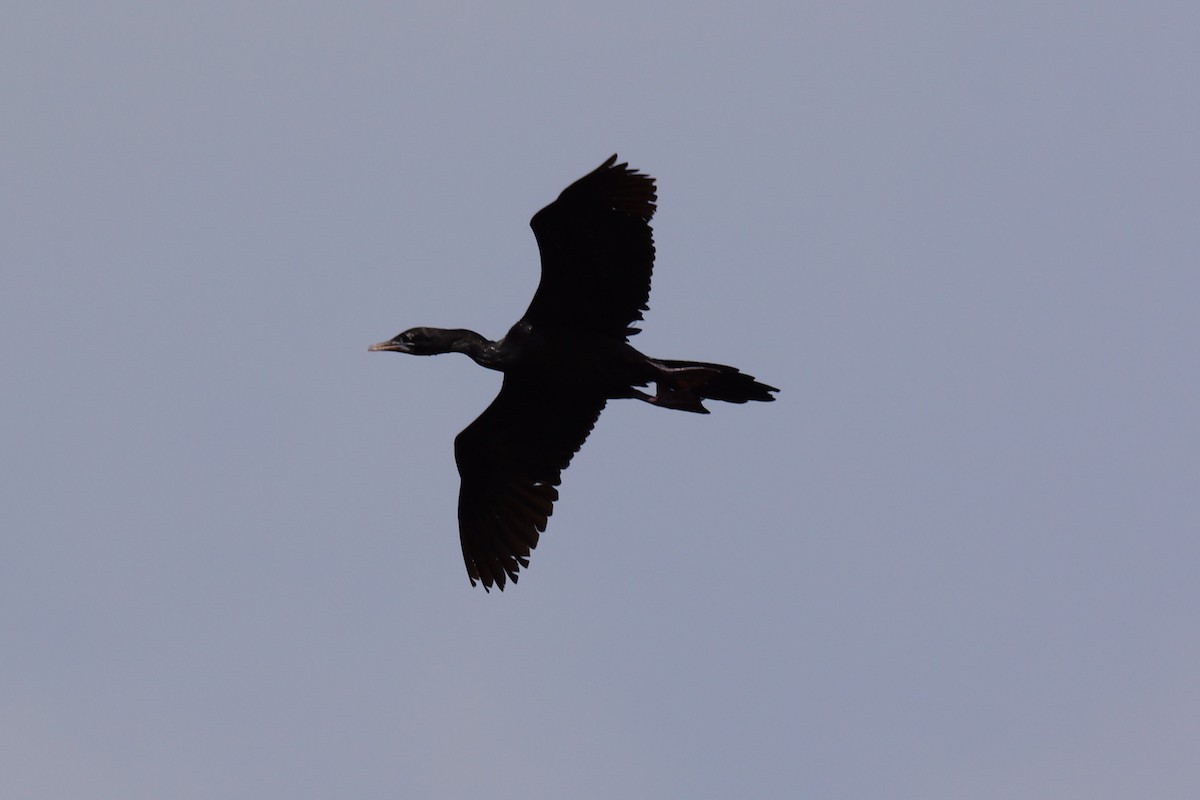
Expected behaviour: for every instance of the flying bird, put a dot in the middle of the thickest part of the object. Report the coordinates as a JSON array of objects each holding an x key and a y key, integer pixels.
[{"x": 562, "y": 362}]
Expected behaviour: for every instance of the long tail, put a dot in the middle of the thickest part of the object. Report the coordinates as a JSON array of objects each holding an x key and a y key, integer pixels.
[{"x": 686, "y": 384}]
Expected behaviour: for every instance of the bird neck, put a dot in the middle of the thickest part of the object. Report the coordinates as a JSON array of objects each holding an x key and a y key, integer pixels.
[{"x": 481, "y": 350}]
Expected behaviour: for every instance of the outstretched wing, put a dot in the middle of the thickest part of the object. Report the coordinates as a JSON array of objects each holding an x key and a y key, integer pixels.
[
  {"x": 597, "y": 253},
  {"x": 510, "y": 460}
]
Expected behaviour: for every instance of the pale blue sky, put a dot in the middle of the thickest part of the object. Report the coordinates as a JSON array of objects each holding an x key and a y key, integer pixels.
[{"x": 956, "y": 559}]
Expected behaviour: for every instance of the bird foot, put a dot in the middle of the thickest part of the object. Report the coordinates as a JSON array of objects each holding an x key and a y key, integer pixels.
[{"x": 668, "y": 397}]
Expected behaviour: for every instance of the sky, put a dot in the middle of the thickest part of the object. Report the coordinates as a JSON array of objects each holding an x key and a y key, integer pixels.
[{"x": 956, "y": 558}]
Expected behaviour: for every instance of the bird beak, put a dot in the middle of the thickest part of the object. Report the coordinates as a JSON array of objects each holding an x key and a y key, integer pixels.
[{"x": 391, "y": 345}]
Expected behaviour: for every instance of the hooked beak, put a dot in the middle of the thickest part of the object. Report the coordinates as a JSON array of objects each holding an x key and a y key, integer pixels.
[{"x": 391, "y": 345}]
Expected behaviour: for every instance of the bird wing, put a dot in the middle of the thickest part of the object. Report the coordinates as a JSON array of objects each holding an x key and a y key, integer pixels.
[
  {"x": 510, "y": 460},
  {"x": 597, "y": 253}
]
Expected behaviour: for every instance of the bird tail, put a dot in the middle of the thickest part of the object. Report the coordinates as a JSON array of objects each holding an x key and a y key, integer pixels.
[{"x": 684, "y": 385}]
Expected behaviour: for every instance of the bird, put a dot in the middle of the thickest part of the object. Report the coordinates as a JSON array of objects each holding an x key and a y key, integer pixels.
[{"x": 567, "y": 356}]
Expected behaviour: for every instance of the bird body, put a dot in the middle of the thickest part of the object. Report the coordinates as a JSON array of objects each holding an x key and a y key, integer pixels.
[{"x": 563, "y": 361}]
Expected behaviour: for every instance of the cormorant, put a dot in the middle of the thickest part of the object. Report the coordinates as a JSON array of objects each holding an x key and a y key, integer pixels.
[{"x": 566, "y": 357}]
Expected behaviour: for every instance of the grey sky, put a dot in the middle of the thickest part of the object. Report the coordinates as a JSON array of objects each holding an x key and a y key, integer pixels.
[{"x": 957, "y": 558}]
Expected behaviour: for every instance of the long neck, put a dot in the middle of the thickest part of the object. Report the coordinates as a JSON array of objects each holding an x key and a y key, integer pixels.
[{"x": 482, "y": 351}]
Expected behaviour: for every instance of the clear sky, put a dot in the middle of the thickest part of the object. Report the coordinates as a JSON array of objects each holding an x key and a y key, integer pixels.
[{"x": 956, "y": 559}]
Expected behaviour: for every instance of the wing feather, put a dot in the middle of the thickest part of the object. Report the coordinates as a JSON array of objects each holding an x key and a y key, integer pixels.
[
  {"x": 510, "y": 460},
  {"x": 597, "y": 253}
]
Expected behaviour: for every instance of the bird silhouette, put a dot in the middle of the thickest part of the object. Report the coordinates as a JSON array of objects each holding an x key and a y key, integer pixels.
[{"x": 562, "y": 362}]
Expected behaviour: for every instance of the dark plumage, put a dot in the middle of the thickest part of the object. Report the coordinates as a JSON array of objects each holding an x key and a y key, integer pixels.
[{"x": 566, "y": 357}]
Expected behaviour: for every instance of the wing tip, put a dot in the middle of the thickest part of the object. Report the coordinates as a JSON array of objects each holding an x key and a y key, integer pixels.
[{"x": 628, "y": 190}]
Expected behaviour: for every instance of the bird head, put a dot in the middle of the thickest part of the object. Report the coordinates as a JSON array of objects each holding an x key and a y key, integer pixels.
[
  {"x": 415, "y": 341},
  {"x": 425, "y": 341}
]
